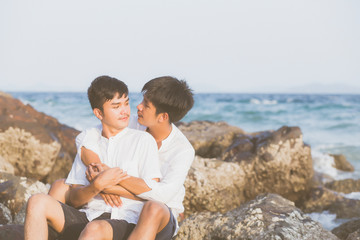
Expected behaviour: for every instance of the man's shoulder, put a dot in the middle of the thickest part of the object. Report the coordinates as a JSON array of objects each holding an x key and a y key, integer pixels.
[
  {"x": 135, "y": 133},
  {"x": 180, "y": 140}
]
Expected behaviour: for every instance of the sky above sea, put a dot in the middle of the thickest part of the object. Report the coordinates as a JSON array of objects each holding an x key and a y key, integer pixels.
[{"x": 217, "y": 46}]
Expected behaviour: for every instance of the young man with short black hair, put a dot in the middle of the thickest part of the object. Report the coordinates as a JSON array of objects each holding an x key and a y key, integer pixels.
[{"x": 133, "y": 151}]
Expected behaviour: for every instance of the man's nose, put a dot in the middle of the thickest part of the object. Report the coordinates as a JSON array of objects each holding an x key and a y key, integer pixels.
[{"x": 139, "y": 107}]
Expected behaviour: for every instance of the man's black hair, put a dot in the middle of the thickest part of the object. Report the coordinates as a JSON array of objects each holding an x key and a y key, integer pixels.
[
  {"x": 169, "y": 95},
  {"x": 104, "y": 88}
]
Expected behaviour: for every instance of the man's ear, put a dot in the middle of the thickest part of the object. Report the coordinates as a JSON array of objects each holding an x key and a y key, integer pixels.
[
  {"x": 98, "y": 113},
  {"x": 164, "y": 117}
]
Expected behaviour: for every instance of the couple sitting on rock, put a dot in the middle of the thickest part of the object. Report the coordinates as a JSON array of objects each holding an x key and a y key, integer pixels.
[{"x": 119, "y": 165}]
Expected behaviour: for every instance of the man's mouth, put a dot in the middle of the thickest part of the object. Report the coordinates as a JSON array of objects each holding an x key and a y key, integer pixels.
[{"x": 124, "y": 118}]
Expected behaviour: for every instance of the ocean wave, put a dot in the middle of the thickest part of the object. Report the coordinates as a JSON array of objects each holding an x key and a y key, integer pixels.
[
  {"x": 328, "y": 220},
  {"x": 264, "y": 101}
]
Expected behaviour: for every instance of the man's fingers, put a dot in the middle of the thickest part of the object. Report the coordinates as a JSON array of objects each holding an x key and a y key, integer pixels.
[
  {"x": 107, "y": 199},
  {"x": 116, "y": 200}
]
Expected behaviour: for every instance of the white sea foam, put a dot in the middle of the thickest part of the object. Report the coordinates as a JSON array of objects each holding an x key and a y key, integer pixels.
[
  {"x": 326, "y": 219},
  {"x": 265, "y": 101},
  {"x": 353, "y": 195}
]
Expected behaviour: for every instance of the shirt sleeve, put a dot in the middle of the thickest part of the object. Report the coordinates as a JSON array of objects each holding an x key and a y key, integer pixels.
[
  {"x": 172, "y": 182},
  {"x": 88, "y": 139},
  {"x": 149, "y": 166}
]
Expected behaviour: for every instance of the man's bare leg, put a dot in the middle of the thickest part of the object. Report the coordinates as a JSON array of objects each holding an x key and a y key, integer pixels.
[
  {"x": 97, "y": 229},
  {"x": 42, "y": 210},
  {"x": 153, "y": 218},
  {"x": 59, "y": 190}
]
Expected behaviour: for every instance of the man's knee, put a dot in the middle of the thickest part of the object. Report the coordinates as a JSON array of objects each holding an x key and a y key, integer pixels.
[
  {"x": 37, "y": 202},
  {"x": 93, "y": 230},
  {"x": 59, "y": 190},
  {"x": 155, "y": 209}
]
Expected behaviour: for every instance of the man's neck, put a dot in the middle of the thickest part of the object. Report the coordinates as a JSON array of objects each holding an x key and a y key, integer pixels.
[
  {"x": 160, "y": 132},
  {"x": 109, "y": 132}
]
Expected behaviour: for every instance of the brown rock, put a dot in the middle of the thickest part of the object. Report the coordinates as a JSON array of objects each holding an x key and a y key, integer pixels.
[
  {"x": 209, "y": 139},
  {"x": 341, "y": 163},
  {"x": 344, "y": 186},
  {"x": 347, "y": 228},
  {"x": 33, "y": 143},
  {"x": 267, "y": 217},
  {"x": 278, "y": 165},
  {"x": 322, "y": 199},
  {"x": 354, "y": 236}
]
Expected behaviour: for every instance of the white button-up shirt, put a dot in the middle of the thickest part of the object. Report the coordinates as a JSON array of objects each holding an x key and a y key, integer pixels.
[{"x": 133, "y": 151}]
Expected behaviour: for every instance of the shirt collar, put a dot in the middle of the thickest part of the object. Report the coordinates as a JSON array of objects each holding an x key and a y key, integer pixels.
[{"x": 168, "y": 138}]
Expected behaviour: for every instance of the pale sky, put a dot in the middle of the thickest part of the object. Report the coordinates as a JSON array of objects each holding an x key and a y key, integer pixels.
[{"x": 217, "y": 46}]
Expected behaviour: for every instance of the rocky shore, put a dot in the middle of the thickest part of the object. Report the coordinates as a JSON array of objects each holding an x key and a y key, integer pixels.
[{"x": 240, "y": 186}]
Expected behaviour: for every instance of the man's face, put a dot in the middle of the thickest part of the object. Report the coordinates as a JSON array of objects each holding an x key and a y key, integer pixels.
[
  {"x": 147, "y": 113},
  {"x": 116, "y": 112}
]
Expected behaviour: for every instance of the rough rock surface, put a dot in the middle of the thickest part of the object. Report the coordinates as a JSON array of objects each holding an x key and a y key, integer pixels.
[
  {"x": 341, "y": 163},
  {"x": 5, "y": 166},
  {"x": 35, "y": 144},
  {"x": 269, "y": 216},
  {"x": 321, "y": 199},
  {"x": 12, "y": 232},
  {"x": 209, "y": 139},
  {"x": 347, "y": 228},
  {"x": 5, "y": 215},
  {"x": 354, "y": 236},
  {"x": 344, "y": 186},
  {"x": 280, "y": 163},
  {"x": 15, "y": 191}
]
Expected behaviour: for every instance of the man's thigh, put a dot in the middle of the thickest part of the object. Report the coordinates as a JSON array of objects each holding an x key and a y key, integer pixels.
[
  {"x": 121, "y": 228},
  {"x": 75, "y": 221}
]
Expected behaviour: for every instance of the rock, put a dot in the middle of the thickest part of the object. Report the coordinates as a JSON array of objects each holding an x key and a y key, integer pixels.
[
  {"x": 214, "y": 185},
  {"x": 344, "y": 186},
  {"x": 321, "y": 199},
  {"x": 5, "y": 215},
  {"x": 354, "y": 236},
  {"x": 209, "y": 139},
  {"x": 35, "y": 144},
  {"x": 341, "y": 163},
  {"x": 347, "y": 228},
  {"x": 286, "y": 169},
  {"x": 267, "y": 217},
  {"x": 15, "y": 191},
  {"x": 5, "y": 166},
  {"x": 12, "y": 232}
]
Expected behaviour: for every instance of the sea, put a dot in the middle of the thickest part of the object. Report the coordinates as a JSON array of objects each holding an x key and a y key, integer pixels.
[{"x": 330, "y": 123}]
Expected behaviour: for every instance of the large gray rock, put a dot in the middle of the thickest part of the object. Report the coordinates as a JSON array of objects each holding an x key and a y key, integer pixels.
[
  {"x": 36, "y": 145},
  {"x": 267, "y": 217},
  {"x": 5, "y": 215}
]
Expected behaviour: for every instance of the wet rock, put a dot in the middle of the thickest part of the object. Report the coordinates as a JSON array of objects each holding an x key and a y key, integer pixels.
[
  {"x": 269, "y": 216},
  {"x": 341, "y": 163},
  {"x": 344, "y": 230},
  {"x": 322, "y": 199},
  {"x": 344, "y": 186},
  {"x": 12, "y": 232},
  {"x": 36, "y": 145},
  {"x": 15, "y": 191},
  {"x": 209, "y": 139}
]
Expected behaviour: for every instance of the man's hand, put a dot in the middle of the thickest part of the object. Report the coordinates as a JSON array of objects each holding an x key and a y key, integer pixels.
[
  {"x": 109, "y": 177},
  {"x": 111, "y": 199},
  {"x": 94, "y": 169}
]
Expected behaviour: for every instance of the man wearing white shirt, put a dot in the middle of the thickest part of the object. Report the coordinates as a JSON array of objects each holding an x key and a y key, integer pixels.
[
  {"x": 166, "y": 100},
  {"x": 119, "y": 147}
]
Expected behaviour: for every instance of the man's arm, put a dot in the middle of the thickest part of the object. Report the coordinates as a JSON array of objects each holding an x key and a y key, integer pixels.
[
  {"x": 89, "y": 157},
  {"x": 80, "y": 195}
]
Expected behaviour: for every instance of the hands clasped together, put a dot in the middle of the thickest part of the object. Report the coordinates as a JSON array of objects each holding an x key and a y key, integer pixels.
[{"x": 104, "y": 179}]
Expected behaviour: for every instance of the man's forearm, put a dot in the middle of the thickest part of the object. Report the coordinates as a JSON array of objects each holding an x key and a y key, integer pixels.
[
  {"x": 80, "y": 195},
  {"x": 122, "y": 192},
  {"x": 135, "y": 185}
]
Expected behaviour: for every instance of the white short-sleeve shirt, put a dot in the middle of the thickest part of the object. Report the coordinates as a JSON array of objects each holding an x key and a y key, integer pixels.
[{"x": 133, "y": 151}]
